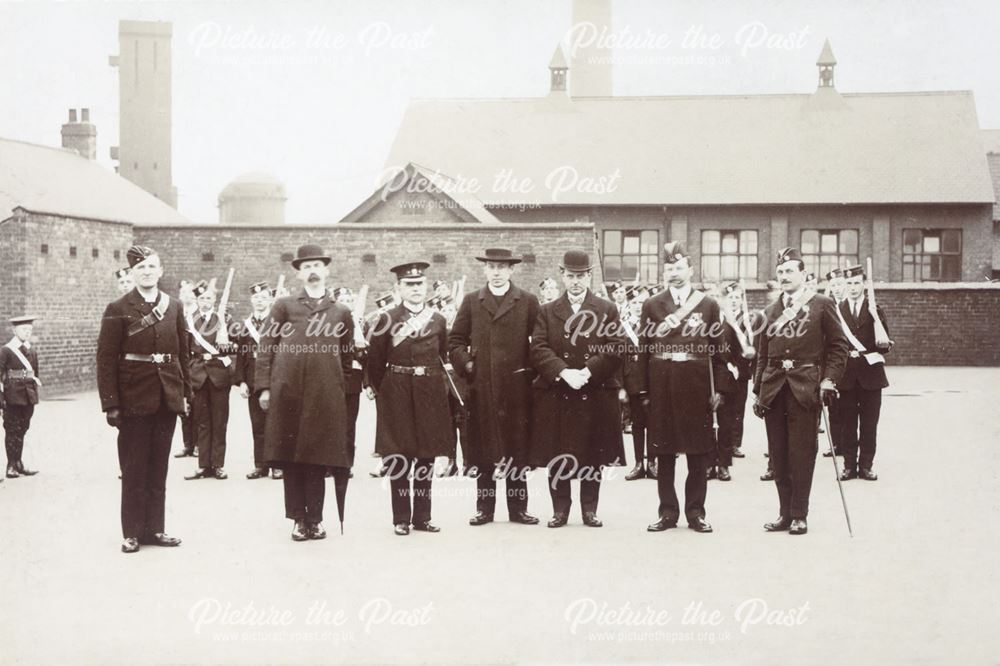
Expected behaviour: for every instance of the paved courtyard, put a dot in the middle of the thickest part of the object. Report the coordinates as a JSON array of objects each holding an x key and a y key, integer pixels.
[{"x": 916, "y": 584}]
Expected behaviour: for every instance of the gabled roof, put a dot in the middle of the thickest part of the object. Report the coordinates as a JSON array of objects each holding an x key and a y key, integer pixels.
[
  {"x": 762, "y": 149},
  {"x": 57, "y": 181},
  {"x": 468, "y": 206}
]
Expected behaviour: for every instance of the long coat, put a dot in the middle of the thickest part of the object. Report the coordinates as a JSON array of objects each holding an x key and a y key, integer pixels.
[
  {"x": 814, "y": 339},
  {"x": 136, "y": 387},
  {"x": 302, "y": 358},
  {"x": 858, "y": 372},
  {"x": 679, "y": 415},
  {"x": 414, "y": 417},
  {"x": 584, "y": 423},
  {"x": 18, "y": 390},
  {"x": 497, "y": 341}
]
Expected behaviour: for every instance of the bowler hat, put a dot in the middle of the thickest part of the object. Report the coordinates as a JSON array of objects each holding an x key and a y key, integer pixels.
[
  {"x": 576, "y": 261},
  {"x": 309, "y": 252}
]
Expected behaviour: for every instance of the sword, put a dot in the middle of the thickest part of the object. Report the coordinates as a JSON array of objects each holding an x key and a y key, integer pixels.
[
  {"x": 451, "y": 383},
  {"x": 715, "y": 414},
  {"x": 836, "y": 470}
]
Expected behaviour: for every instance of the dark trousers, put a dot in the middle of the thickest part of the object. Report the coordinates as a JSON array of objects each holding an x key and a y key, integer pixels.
[
  {"x": 516, "y": 487},
  {"x": 143, "y": 453},
  {"x": 187, "y": 432},
  {"x": 258, "y": 423},
  {"x": 730, "y": 416},
  {"x": 16, "y": 420},
  {"x": 859, "y": 411},
  {"x": 410, "y": 503},
  {"x": 695, "y": 487},
  {"x": 305, "y": 490},
  {"x": 792, "y": 445},
  {"x": 590, "y": 490},
  {"x": 638, "y": 415},
  {"x": 353, "y": 406},
  {"x": 210, "y": 415}
]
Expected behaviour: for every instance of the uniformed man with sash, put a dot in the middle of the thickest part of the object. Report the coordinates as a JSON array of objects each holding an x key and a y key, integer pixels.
[
  {"x": 142, "y": 379},
  {"x": 864, "y": 378},
  {"x": 679, "y": 361},
  {"x": 19, "y": 384},
  {"x": 835, "y": 285},
  {"x": 247, "y": 350},
  {"x": 211, "y": 382},
  {"x": 739, "y": 354},
  {"x": 406, "y": 358},
  {"x": 185, "y": 294},
  {"x": 801, "y": 353}
]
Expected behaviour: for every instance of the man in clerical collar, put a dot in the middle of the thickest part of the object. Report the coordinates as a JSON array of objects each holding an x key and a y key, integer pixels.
[
  {"x": 247, "y": 349},
  {"x": 18, "y": 392},
  {"x": 143, "y": 383},
  {"x": 489, "y": 346},
  {"x": 406, "y": 371},
  {"x": 801, "y": 354},
  {"x": 123, "y": 280}
]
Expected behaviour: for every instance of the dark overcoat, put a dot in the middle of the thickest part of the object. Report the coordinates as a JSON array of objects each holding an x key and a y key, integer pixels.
[
  {"x": 584, "y": 423},
  {"x": 858, "y": 372},
  {"x": 812, "y": 342},
  {"x": 679, "y": 414},
  {"x": 414, "y": 417},
  {"x": 497, "y": 341},
  {"x": 302, "y": 357},
  {"x": 136, "y": 387}
]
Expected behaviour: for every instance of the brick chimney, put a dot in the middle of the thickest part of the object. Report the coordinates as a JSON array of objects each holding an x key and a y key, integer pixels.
[{"x": 81, "y": 135}]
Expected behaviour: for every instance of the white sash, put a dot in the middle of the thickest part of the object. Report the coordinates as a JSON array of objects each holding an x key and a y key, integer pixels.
[
  {"x": 744, "y": 343},
  {"x": 252, "y": 330},
  {"x": 871, "y": 357},
  {"x": 630, "y": 332},
  {"x": 206, "y": 345},
  {"x": 413, "y": 325},
  {"x": 675, "y": 318},
  {"x": 15, "y": 346},
  {"x": 791, "y": 312}
]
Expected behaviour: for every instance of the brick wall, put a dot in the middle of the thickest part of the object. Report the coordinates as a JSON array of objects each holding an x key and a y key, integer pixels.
[{"x": 256, "y": 252}]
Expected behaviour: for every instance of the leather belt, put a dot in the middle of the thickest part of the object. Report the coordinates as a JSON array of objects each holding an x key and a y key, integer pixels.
[
  {"x": 20, "y": 374},
  {"x": 156, "y": 359},
  {"x": 789, "y": 363},
  {"x": 676, "y": 357},
  {"x": 415, "y": 370}
]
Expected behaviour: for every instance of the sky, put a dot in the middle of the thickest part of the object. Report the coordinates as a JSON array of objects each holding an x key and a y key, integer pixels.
[{"x": 314, "y": 92}]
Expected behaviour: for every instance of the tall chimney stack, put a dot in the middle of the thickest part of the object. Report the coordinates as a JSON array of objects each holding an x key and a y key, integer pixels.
[{"x": 80, "y": 136}]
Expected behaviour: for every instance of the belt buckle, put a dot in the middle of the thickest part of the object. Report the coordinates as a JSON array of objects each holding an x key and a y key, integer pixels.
[
  {"x": 855, "y": 353},
  {"x": 678, "y": 356},
  {"x": 158, "y": 358},
  {"x": 419, "y": 371},
  {"x": 787, "y": 364}
]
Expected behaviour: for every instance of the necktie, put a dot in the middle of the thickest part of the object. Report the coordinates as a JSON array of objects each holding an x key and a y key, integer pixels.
[
  {"x": 788, "y": 301},
  {"x": 855, "y": 309}
]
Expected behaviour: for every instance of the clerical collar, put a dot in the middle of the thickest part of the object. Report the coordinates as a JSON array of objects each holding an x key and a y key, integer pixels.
[
  {"x": 499, "y": 292},
  {"x": 415, "y": 309}
]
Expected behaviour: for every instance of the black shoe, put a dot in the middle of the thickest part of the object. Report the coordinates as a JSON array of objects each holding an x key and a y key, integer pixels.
[
  {"x": 558, "y": 520},
  {"x": 401, "y": 529},
  {"x": 638, "y": 472},
  {"x": 738, "y": 453},
  {"x": 426, "y": 527},
  {"x": 651, "y": 471},
  {"x": 12, "y": 472},
  {"x": 710, "y": 473},
  {"x": 699, "y": 525},
  {"x": 524, "y": 518},
  {"x": 277, "y": 474},
  {"x": 480, "y": 518},
  {"x": 848, "y": 474},
  {"x": 865, "y": 474},
  {"x": 590, "y": 519},
  {"x": 661, "y": 525},
  {"x": 24, "y": 472},
  {"x": 300, "y": 532},
  {"x": 161, "y": 539},
  {"x": 767, "y": 476},
  {"x": 780, "y": 525},
  {"x": 798, "y": 526},
  {"x": 201, "y": 473},
  {"x": 220, "y": 474},
  {"x": 724, "y": 475},
  {"x": 130, "y": 545},
  {"x": 258, "y": 473},
  {"x": 184, "y": 453},
  {"x": 317, "y": 531}
]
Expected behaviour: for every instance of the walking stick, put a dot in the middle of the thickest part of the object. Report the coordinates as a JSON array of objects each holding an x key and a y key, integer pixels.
[{"x": 836, "y": 470}]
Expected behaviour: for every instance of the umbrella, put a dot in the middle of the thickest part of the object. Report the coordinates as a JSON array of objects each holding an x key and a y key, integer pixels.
[{"x": 340, "y": 478}]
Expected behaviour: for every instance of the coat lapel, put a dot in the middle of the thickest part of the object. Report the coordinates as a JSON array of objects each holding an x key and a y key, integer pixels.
[
  {"x": 487, "y": 302},
  {"x": 562, "y": 308},
  {"x": 509, "y": 301}
]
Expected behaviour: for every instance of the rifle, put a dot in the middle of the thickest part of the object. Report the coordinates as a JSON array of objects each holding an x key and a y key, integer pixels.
[
  {"x": 458, "y": 292},
  {"x": 881, "y": 335},
  {"x": 222, "y": 336},
  {"x": 746, "y": 312},
  {"x": 281, "y": 286},
  {"x": 358, "y": 314}
]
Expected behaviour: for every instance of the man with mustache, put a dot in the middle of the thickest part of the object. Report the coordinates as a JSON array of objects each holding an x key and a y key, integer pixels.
[
  {"x": 801, "y": 353},
  {"x": 680, "y": 351},
  {"x": 304, "y": 353}
]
